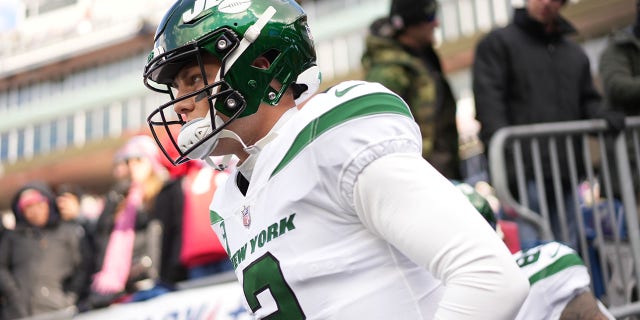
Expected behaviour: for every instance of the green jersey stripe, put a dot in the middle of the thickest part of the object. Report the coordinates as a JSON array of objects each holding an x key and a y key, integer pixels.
[
  {"x": 375, "y": 103},
  {"x": 557, "y": 266},
  {"x": 214, "y": 217}
]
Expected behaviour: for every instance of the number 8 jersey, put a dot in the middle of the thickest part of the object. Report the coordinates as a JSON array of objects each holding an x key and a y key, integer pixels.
[
  {"x": 557, "y": 275},
  {"x": 298, "y": 247}
]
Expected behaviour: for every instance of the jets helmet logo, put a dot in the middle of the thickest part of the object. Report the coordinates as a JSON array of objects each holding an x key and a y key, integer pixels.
[{"x": 224, "y": 6}]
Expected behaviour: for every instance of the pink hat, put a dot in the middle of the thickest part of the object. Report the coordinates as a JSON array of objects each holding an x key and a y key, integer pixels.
[
  {"x": 29, "y": 197},
  {"x": 141, "y": 146}
]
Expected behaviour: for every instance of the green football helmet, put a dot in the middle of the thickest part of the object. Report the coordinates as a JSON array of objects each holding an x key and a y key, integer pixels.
[
  {"x": 236, "y": 33},
  {"x": 479, "y": 202}
]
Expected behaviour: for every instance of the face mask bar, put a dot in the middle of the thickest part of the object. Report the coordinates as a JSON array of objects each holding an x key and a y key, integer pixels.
[{"x": 161, "y": 124}]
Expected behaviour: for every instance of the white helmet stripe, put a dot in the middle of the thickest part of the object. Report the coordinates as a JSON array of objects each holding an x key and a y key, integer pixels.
[{"x": 251, "y": 35}]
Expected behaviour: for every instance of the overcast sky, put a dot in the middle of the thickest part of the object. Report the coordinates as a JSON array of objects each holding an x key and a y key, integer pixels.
[{"x": 7, "y": 14}]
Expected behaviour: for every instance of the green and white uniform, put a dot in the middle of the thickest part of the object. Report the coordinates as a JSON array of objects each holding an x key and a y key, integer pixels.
[
  {"x": 311, "y": 240},
  {"x": 557, "y": 275}
]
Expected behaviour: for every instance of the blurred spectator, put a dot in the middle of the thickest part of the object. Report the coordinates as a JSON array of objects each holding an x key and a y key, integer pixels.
[
  {"x": 620, "y": 69},
  {"x": 400, "y": 55},
  {"x": 3, "y": 228},
  {"x": 530, "y": 72},
  {"x": 3, "y": 232},
  {"x": 69, "y": 199},
  {"x": 69, "y": 202},
  {"x": 127, "y": 234},
  {"x": 113, "y": 198},
  {"x": 190, "y": 248},
  {"x": 40, "y": 261}
]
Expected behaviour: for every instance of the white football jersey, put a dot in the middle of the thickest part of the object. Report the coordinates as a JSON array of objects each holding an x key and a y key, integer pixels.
[
  {"x": 298, "y": 247},
  {"x": 556, "y": 274}
]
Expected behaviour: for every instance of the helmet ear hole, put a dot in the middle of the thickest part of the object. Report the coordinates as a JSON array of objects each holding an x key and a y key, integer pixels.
[
  {"x": 261, "y": 63},
  {"x": 271, "y": 54},
  {"x": 269, "y": 57}
]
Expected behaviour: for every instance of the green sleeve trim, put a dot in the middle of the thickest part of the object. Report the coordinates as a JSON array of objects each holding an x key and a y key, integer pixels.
[
  {"x": 375, "y": 103},
  {"x": 557, "y": 266}
]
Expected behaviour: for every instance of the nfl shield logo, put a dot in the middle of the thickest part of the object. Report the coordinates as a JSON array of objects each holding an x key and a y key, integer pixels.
[{"x": 246, "y": 217}]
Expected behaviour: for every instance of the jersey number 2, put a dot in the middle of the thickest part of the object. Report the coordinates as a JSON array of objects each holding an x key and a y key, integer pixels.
[{"x": 263, "y": 274}]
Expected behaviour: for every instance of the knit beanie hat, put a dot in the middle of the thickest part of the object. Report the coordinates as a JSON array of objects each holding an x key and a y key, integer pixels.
[
  {"x": 409, "y": 12},
  {"x": 29, "y": 197},
  {"x": 141, "y": 146}
]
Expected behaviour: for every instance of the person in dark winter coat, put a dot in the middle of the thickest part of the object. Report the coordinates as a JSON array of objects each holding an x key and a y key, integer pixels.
[
  {"x": 620, "y": 69},
  {"x": 531, "y": 72},
  {"x": 69, "y": 202},
  {"x": 400, "y": 55},
  {"x": 41, "y": 266}
]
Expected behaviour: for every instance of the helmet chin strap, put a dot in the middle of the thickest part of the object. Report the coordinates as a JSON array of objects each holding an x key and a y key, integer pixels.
[
  {"x": 197, "y": 129},
  {"x": 224, "y": 163},
  {"x": 246, "y": 167},
  {"x": 252, "y": 150}
]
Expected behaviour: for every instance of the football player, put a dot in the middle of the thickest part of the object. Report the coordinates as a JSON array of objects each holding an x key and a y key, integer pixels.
[
  {"x": 558, "y": 277},
  {"x": 332, "y": 213}
]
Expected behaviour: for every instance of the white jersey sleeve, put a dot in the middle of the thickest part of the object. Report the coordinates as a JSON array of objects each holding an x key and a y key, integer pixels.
[{"x": 436, "y": 226}]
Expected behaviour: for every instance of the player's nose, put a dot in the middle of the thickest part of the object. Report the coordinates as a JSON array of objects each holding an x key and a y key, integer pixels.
[{"x": 184, "y": 107}]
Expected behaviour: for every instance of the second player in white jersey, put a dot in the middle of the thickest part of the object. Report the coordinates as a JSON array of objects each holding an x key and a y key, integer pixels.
[
  {"x": 559, "y": 280},
  {"x": 557, "y": 275}
]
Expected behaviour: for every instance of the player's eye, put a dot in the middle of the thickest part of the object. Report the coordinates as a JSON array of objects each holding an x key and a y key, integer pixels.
[{"x": 196, "y": 79}]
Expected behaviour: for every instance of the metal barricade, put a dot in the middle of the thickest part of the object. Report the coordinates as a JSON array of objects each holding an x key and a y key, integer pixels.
[{"x": 563, "y": 163}]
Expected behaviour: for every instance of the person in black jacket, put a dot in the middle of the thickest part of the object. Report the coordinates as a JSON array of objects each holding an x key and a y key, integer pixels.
[
  {"x": 69, "y": 202},
  {"x": 531, "y": 72},
  {"x": 41, "y": 266}
]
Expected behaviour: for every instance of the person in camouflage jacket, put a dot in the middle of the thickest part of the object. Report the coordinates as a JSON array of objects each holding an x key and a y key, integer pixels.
[{"x": 399, "y": 54}]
